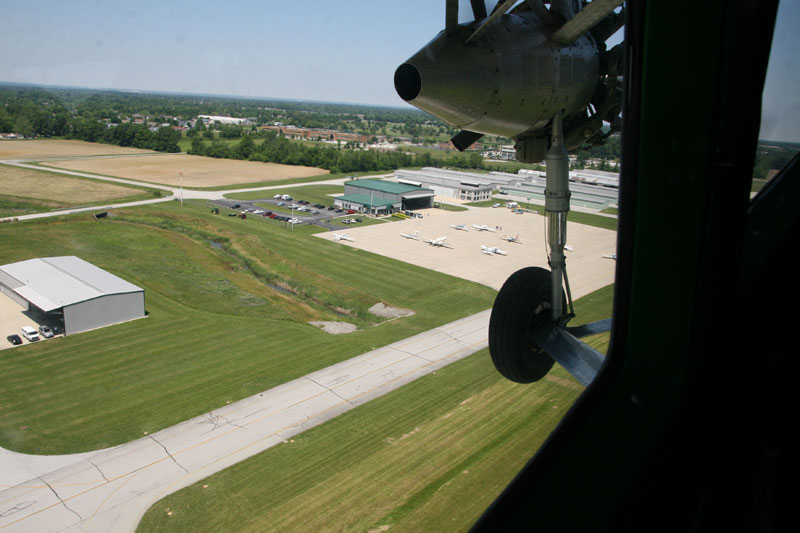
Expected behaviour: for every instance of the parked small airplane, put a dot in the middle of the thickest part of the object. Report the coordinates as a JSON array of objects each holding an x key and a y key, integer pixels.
[
  {"x": 462, "y": 227},
  {"x": 511, "y": 238},
  {"x": 439, "y": 241},
  {"x": 493, "y": 250},
  {"x": 414, "y": 235},
  {"x": 342, "y": 237},
  {"x": 483, "y": 227}
]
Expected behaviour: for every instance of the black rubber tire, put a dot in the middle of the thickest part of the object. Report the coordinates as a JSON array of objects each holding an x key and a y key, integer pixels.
[{"x": 522, "y": 305}]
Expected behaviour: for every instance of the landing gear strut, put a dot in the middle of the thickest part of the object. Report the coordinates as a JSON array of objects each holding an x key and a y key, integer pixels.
[{"x": 527, "y": 329}]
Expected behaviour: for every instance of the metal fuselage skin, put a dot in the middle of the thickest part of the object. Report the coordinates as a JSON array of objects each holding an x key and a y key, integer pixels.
[{"x": 509, "y": 82}]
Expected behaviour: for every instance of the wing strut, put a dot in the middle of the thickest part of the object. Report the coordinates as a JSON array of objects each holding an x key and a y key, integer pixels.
[
  {"x": 587, "y": 18},
  {"x": 498, "y": 12}
]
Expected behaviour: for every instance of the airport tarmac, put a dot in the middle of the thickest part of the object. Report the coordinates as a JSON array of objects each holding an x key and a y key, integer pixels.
[{"x": 588, "y": 270}]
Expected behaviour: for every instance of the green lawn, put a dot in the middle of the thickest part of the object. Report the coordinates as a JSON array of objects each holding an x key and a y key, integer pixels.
[
  {"x": 316, "y": 194},
  {"x": 430, "y": 456},
  {"x": 228, "y": 302}
]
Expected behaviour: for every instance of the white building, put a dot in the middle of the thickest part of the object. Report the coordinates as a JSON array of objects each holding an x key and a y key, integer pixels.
[
  {"x": 469, "y": 186},
  {"x": 68, "y": 288},
  {"x": 228, "y": 121}
]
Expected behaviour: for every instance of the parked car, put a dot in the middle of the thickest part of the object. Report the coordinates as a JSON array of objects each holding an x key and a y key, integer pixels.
[
  {"x": 14, "y": 339},
  {"x": 236, "y": 206},
  {"x": 351, "y": 211},
  {"x": 30, "y": 333},
  {"x": 45, "y": 332}
]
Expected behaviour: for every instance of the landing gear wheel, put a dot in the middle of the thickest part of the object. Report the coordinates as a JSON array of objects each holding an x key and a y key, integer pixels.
[{"x": 521, "y": 306}]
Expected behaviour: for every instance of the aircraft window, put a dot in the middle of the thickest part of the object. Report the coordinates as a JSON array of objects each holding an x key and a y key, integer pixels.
[{"x": 779, "y": 137}]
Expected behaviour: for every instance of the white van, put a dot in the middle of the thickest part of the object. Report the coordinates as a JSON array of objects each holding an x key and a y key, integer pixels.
[{"x": 30, "y": 333}]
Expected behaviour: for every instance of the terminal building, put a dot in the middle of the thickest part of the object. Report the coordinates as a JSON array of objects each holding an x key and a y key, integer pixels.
[
  {"x": 72, "y": 291},
  {"x": 589, "y": 188},
  {"x": 468, "y": 186},
  {"x": 379, "y": 197}
]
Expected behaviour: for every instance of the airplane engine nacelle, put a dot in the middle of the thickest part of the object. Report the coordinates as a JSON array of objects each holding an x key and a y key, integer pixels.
[{"x": 509, "y": 82}]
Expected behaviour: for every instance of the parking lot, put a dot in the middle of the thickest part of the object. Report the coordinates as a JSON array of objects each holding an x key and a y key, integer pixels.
[
  {"x": 320, "y": 218},
  {"x": 12, "y": 318}
]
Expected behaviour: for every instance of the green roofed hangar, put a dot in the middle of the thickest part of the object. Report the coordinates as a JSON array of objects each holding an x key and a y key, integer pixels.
[{"x": 378, "y": 197}]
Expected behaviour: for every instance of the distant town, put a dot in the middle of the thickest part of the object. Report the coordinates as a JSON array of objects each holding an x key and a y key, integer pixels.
[{"x": 239, "y": 128}]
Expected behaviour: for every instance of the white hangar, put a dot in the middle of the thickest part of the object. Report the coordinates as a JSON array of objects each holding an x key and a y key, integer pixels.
[{"x": 82, "y": 295}]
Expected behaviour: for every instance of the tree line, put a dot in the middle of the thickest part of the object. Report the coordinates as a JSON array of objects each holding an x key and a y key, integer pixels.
[
  {"x": 47, "y": 111},
  {"x": 163, "y": 139},
  {"x": 339, "y": 159}
]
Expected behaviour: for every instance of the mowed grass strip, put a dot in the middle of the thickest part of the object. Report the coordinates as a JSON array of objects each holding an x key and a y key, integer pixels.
[
  {"x": 24, "y": 191},
  {"x": 217, "y": 330}
]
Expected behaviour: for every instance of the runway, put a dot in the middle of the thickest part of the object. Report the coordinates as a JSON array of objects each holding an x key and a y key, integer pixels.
[{"x": 110, "y": 490}]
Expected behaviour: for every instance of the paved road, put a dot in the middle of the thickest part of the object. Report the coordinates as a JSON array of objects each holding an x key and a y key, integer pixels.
[
  {"x": 110, "y": 490},
  {"x": 176, "y": 193}
]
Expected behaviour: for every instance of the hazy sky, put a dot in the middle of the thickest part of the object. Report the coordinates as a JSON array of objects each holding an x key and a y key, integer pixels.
[{"x": 340, "y": 51}]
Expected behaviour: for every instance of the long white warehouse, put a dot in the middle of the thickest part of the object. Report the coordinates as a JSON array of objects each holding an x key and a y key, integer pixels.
[{"x": 82, "y": 295}]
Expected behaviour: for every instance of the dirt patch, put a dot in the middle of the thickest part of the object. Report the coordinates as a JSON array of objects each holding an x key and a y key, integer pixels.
[
  {"x": 386, "y": 311},
  {"x": 198, "y": 171},
  {"x": 22, "y": 149},
  {"x": 335, "y": 328}
]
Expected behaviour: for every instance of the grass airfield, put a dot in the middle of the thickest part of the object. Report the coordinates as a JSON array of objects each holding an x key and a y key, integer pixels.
[{"x": 228, "y": 302}]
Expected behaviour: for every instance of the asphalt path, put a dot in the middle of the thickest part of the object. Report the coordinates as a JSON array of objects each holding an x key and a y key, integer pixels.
[{"x": 110, "y": 490}]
